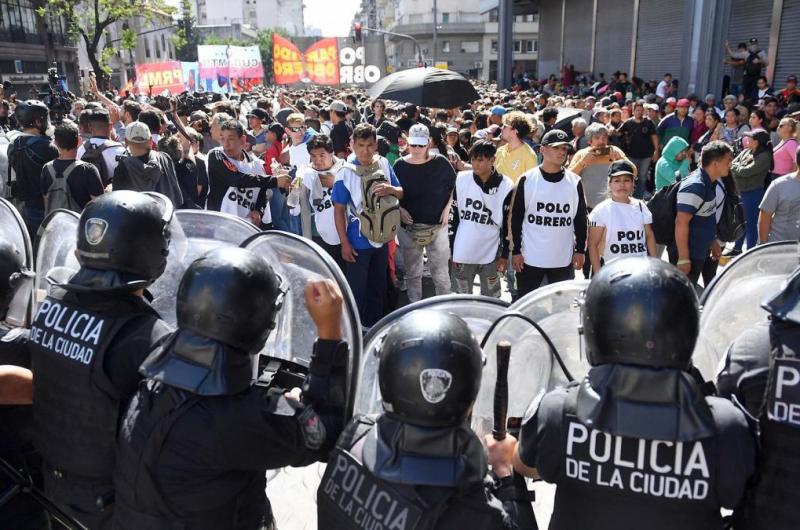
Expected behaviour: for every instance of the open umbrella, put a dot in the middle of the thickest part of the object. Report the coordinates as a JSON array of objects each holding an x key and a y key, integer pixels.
[{"x": 426, "y": 87}]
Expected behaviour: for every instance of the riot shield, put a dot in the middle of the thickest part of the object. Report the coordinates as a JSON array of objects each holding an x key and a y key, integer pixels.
[
  {"x": 4, "y": 191},
  {"x": 13, "y": 230},
  {"x": 292, "y": 491},
  {"x": 58, "y": 239},
  {"x": 194, "y": 233},
  {"x": 732, "y": 301}
]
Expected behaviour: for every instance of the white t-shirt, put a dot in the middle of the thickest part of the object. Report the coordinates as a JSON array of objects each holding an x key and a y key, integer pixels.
[
  {"x": 321, "y": 202},
  {"x": 624, "y": 224},
  {"x": 480, "y": 219},
  {"x": 299, "y": 156}
]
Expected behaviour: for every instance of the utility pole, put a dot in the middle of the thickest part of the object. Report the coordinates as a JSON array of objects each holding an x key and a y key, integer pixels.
[{"x": 435, "y": 31}]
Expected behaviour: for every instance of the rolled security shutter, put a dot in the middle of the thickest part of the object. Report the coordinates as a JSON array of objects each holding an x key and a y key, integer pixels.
[
  {"x": 788, "y": 60},
  {"x": 750, "y": 18},
  {"x": 614, "y": 33},
  {"x": 662, "y": 39},
  {"x": 578, "y": 34},
  {"x": 550, "y": 38}
]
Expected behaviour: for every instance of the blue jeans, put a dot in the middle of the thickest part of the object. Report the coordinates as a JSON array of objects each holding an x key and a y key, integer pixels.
[
  {"x": 367, "y": 279},
  {"x": 33, "y": 215},
  {"x": 643, "y": 173},
  {"x": 750, "y": 201},
  {"x": 281, "y": 218}
]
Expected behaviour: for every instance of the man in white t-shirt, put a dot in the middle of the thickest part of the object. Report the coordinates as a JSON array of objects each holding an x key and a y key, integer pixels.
[{"x": 664, "y": 88}]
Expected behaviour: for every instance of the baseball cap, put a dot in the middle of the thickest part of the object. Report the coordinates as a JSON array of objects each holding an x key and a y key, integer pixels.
[
  {"x": 137, "y": 132},
  {"x": 555, "y": 138},
  {"x": 337, "y": 105},
  {"x": 497, "y": 110},
  {"x": 621, "y": 167},
  {"x": 753, "y": 41},
  {"x": 791, "y": 77},
  {"x": 452, "y": 130},
  {"x": 261, "y": 114},
  {"x": 671, "y": 100},
  {"x": 683, "y": 102},
  {"x": 418, "y": 134}
]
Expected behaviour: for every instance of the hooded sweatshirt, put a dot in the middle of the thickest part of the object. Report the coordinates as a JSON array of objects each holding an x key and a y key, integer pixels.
[{"x": 667, "y": 166}]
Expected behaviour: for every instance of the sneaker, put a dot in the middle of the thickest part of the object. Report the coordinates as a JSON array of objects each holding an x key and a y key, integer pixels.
[{"x": 731, "y": 252}]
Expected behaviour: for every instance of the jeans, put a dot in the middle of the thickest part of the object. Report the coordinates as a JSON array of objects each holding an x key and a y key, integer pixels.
[
  {"x": 438, "y": 258},
  {"x": 281, "y": 218},
  {"x": 531, "y": 278},
  {"x": 465, "y": 276},
  {"x": 367, "y": 279},
  {"x": 33, "y": 215},
  {"x": 750, "y": 202},
  {"x": 697, "y": 264},
  {"x": 643, "y": 170}
]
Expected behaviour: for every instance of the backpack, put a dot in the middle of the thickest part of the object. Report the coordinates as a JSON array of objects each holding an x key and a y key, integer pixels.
[
  {"x": 730, "y": 226},
  {"x": 58, "y": 195},
  {"x": 752, "y": 69},
  {"x": 663, "y": 206},
  {"x": 380, "y": 216},
  {"x": 93, "y": 155}
]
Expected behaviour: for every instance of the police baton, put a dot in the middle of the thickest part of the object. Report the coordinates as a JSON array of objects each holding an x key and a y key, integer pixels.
[
  {"x": 24, "y": 484},
  {"x": 501, "y": 390}
]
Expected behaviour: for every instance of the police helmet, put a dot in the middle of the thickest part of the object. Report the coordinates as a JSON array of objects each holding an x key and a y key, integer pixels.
[
  {"x": 786, "y": 304},
  {"x": 640, "y": 311},
  {"x": 11, "y": 263},
  {"x": 430, "y": 369},
  {"x": 231, "y": 295},
  {"x": 127, "y": 232},
  {"x": 29, "y": 111}
]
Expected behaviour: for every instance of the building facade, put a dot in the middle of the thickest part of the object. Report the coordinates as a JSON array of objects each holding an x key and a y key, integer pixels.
[
  {"x": 29, "y": 44},
  {"x": 259, "y": 14},
  {"x": 526, "y": 46}
]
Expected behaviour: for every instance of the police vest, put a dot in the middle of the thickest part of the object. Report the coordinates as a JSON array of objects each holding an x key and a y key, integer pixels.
[
  {"x": 480, "y": 220},
  {"x": 772, "y": 502},
  {"x": 350, "y": 497},
  {"x": 141, "y": 503},
  {"x": 548, "y": 234},
  {"x": 608, "y": 482},
  {"x": 76, "y": 406}
]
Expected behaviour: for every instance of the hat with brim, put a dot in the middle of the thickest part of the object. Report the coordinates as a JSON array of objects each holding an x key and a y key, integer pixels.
[{"x": 620, "y": 168}]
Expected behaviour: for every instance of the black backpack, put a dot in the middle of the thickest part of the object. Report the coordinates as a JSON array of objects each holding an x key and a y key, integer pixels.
[
  {"x": 730, "y": 226},
  {"x": 663, "y": 206},
  {"x": 93, "y": 155}
]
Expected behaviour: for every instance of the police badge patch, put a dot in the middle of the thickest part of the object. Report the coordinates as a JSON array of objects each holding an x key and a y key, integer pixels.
[
  {"x": 434, "y": 384},
  {"x": 95, "y": 230}
]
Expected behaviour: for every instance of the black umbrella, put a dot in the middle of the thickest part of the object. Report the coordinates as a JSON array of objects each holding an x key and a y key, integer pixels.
[{"x": 426, "y": 87}]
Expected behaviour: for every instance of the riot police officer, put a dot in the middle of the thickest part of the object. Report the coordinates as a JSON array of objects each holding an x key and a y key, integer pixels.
[
  {"x": 27, "y": 154},
  {"x": 419, "y": 465},
  {"x": 16, "y": 420},
  {"x": 199, "y": 435},
  {"x": 636, "y": 444},
  {"x": 88, "y": 339},
  {"x": 772, "y": 499},
  {"x": 744, "y": 375}
]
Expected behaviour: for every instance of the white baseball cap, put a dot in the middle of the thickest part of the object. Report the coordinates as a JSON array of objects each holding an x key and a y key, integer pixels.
[
  {"x": 137, "y": 132},
  {"x": 418, "y": 134}
]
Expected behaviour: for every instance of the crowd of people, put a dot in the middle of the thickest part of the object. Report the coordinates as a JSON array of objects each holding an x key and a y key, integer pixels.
[{"x": 531, "y": 185}]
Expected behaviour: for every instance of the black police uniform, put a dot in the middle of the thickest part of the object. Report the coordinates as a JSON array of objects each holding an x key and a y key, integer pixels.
[
  {"x": 744, "y": 375},
  {"x": 773, "y": 497},
  {"x": 637, "y": 444},
  {"x": 16, "y": 440},
  {"x": 420, "y": 465},
  {"x": 198, "y": 437}
]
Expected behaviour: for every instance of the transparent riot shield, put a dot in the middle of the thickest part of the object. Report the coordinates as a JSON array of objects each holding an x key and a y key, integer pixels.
[
  {"x": 732, "y": 301},
  {"x": 13, "y": 230},
  {"x": 292, "y": 491},
  {"x": 58, "y": 239},
  {"x": 193, "y": 234}
]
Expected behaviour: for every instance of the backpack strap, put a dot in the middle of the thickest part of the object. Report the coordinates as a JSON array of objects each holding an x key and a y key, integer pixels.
[{"x": 51, "y": 169}]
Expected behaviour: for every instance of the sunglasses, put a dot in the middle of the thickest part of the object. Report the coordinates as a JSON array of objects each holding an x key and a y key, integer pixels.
[
  {"x": 418, "y": 146},
  {"x": 296, "y": 129}
]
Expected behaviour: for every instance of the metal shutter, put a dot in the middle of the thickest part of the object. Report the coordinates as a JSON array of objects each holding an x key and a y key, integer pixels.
[
  {"x": 750, "y": 18},
  {"x": 578, "y": 34},
  {"x": 662, "y": 38},
  {"x": 550, "y": 38},
  {"x": 788, "y": 60},
  {"x": 614, "y": 33}
]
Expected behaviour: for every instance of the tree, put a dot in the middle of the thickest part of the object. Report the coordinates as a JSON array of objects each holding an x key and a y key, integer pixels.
[
  {"x": 186, "y": 37},
  {"x": 89, "y": 20}
]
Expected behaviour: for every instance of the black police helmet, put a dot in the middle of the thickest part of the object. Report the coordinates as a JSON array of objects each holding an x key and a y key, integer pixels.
[
  {"x": 126, "y": 231},
  {"x": 231, "y": 295},
  {"x": 430, "y": 369},
  {"x": 29, "y": 111},
  {"x": 640, "y": 311},
  {"x": 785, "y": 305},
  {"x": 11, "y": 263}
]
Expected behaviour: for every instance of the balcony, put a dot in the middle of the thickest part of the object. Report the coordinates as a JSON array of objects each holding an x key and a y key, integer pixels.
[
  {"x": 18, "y": 34},
  {"x": 452, "y": 23}
]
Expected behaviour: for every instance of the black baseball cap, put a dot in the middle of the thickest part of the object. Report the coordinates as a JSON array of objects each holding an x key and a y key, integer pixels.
[
  {"x": 261, "y": 114},
  {"x": 753, "y": 41},
  {"x": 621, "y": 167},
  {"x": 791, "y": 77},
  {"x": 555, "y": 138}
]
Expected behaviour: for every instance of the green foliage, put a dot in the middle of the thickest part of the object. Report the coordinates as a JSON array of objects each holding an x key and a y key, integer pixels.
[{"x": 186, "y": 38}]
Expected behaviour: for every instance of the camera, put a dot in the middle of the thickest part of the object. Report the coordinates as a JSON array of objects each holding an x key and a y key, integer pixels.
[{"x": 58, "y": 100}]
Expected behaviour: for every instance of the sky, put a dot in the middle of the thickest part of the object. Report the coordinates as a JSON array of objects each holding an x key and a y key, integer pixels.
[{"x": 333, "y": 17}]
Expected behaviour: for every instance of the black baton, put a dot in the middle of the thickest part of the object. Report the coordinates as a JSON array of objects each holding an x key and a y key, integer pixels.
[{"x": 501, "y": 390}]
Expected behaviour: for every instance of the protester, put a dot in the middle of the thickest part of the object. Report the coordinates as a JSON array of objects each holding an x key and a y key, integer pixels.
[
  {"x": 641, "y": 145},
  {"x": 673, "y": 164},
  {"x": 677, "y": 123},
  {"x": 779, "y": 211},
  {"x": 750, "y": 170},
  {"x": 784, "y": 151}
]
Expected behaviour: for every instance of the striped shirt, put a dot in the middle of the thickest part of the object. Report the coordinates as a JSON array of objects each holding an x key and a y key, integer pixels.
[{"x": 697, "y": 196}]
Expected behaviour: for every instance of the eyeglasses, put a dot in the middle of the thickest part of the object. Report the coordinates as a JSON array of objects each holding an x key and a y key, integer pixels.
[{"x": 296, "y": 129}]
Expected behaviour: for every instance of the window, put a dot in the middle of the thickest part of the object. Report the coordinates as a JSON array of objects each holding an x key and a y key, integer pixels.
[
  {"x": 146, "y": 48},
  {"x": 17, "y": 15},
  {"x": 517, "y": 46},
  {"x": 470, "y": 47},
  {"x": 531, "y": 46},
  {"x": 493, "y": 15},
  {"x": 494, "y": 46},
  {"x": 163, "y": 43},
  {"x": 445, "y": 18},
  {"x": 445, "y": 46}
]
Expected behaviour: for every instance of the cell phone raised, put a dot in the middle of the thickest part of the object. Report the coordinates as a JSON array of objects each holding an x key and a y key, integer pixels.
[{"x": 601, "y": 151}]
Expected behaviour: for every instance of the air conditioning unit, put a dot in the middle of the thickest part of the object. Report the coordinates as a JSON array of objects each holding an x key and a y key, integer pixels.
[{"x": 478, "y": 64}]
